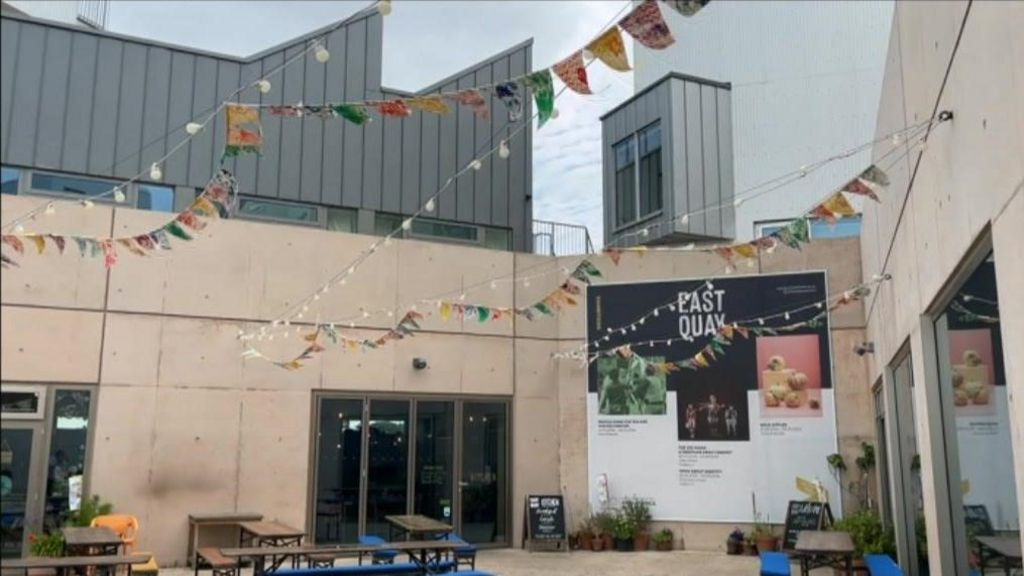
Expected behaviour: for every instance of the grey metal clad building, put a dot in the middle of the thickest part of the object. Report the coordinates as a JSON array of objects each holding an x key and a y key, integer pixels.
[
  {"x": 80, "y": 105},
  {"x": 667, "y": 151}
]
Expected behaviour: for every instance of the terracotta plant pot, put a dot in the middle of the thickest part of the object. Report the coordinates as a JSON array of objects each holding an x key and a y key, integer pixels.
[
  {"x": 585, "y": 541},
  {"x": 750, "y": 549},
  {"x": 642, "y": 542},
  {"x": 663, "y": 546},
  {"x": 597, "y": 544},
  {"x": 767, "y": 543},
  {"x": 734, "y": 547},
  {"x": 609, "y": 541}
]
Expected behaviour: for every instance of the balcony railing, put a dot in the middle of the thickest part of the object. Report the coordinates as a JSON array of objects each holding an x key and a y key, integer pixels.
[
  {"x": 558, "y": 239},
  {"x": 94, "y": 13}
]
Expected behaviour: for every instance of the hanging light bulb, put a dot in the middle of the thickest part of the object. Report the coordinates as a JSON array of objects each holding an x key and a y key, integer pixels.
[
  {"x": 50, "y": 209},
  {"x": 685, "y": 219},
  {"x": 738, "y": 202},
  {"x": 476, "y": 164},
  {"x": 430, "y": 205},
  {"x": 193, "y": 128},
  {"x": 655, "y": 312},
  {"x": 156, "y": 172},
  {"x": 118, "y": 195},
  {"x": 387, "y": 240},
  {"x": 321, "y": 54},
  {"x": 710, "y": 285},
  {"x": 19, "y": 229},
  {"x": 407, "y": 224},
  {"x": 526, "y": 283},
  {"x": 366, "y": 314},
  {"x": 263, "y": 86},
  {"x": 787, "y": 316},
  {"x": 760, "y": 321},
  {"x": 803, "y": 170},
  {"x": 494, "y": 284},
  {"x": 503, "y": 150},
  {"x": 644, "y": 232},
  {"x": 384, "y": 7},
  {"x": 554, "y": 113}
]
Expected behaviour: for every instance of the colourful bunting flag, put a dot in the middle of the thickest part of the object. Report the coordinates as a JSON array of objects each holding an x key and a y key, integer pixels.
[
  {"x": 474, "y": 100},
  {"x": 245, "y": 134},
  {"x": 687, "y": 7},
  {"x": 573, "y": 73},
  {"x": 288, "y": 111},
  {"x": 838, "y": 205},
  {"x": 175, "y": 229},
  {"x": 7, "y": 262},
  {"x": 83, "y": 246},
  {"x": 875, "y": 175},
  {"x": 397, "y": 108},
  {"x": 14, "y": 242},
  {"x": 58, "y": 241},
  {"x": 861, "y": 188},
  {"x": 434, "y": 104},
  {"x": 39, "y": 241},
  {"x": 109, "y": 253},
  {"x": 324, "y": 112},
  {"x": 822, "y": 212},
  {"x": 745, "y": 250},
  {"x": 132, "y": 247},
  {"x": 646, "y": 25},
  {"x": 512, "y": 98},
  {"x": 354, "y": 113},
  {"x": 610, "y": 49},
  {"x": 543, "y": 94}
]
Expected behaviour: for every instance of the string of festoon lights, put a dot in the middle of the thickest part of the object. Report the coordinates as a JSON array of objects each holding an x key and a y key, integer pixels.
[
  {"x": 896, "y": 137},
  {"x": 193, "y": 128},
  {"x": 296, "y": 322},
  {"x": 669, "y": 306},
  {"x": 292, "y": 319}
]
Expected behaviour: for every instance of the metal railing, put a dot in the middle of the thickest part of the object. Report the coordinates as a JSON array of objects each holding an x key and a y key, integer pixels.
[
  {"x": 558, "y": 239},
  {"x": 94, "y": 13}
]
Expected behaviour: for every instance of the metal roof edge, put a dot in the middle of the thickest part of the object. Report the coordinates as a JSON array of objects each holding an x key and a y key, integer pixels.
[{"x": 659, "y": 81}]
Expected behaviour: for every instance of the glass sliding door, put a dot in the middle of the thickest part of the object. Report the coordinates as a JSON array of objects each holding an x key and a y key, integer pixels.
[
  {"x": 338, "y": 466},
  {"x": 69, "y": 434},
  {"x": 19, "y": 450},
  {"x": 483, "y": 486},
  {"x": 387, "y": 463},
  {"x": 435, "y": 460}
]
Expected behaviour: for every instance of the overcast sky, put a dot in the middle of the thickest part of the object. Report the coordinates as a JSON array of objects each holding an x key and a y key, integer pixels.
[{"x": 425, "y": 40}]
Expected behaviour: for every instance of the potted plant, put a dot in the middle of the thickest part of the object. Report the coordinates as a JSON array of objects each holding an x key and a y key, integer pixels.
[
  {"x": 46, "y": 545},
  {"x": 604, "y": 530},
  {"x": 663, "y": 540},
  {"x": 638, "y": 512},
  {"x": 868, "y": 535},
  {"x": 766, "y": 540},
  {"x": 624, "y": 533},
  {"x": 749, "y": 545},
  {"x": 585, "y": 535},
  {"x": 734, "y": 543}
]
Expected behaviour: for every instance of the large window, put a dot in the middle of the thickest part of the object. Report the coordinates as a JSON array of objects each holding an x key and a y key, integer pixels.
[
  {"x": 156, "y": 198},
  {"x": 9, "y": 178},
  {"x": 45, "y": 182},
  {"x": 625, "y": 182},
  {"x": 649, "y": 141},
  {"x": 638, "y": 191},
  {"x": 279, "y": 211},
  {"x": 445, "y": 230},
  {"x": 341, "y": 220},
  {"x": 848, "y": 227}
]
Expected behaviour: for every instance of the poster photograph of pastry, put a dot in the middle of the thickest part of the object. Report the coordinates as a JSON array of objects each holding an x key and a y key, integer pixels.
[
  {"x": 789, "y": 376},
  {"x": 630, "y": 386},
  {"x": 973, "y": 373}
]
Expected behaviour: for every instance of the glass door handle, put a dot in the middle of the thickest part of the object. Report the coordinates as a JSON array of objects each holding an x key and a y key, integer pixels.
[{"x": 463, "y": 484}]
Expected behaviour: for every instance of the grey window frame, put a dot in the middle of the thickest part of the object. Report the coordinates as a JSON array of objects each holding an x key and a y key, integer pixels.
[
  {"x": 633, "y": 141},
  {"x": 321, "y": 214}
]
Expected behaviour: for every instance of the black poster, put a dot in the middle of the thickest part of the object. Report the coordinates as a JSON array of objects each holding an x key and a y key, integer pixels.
[{"x": 545, "y": 516}]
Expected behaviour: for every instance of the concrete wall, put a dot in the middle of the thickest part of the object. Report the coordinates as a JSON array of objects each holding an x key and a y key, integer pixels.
[
  {"x": 184, "y": 424},
  {"x": 962, "y": 191}
]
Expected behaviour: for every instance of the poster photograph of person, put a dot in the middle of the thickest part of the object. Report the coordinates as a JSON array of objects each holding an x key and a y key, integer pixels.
[{"x": 760, "y": 414}]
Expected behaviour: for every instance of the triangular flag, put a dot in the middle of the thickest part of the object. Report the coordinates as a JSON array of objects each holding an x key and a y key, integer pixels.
[
  {"x": 573, "y": 72},
  {"x": 39, "y": 241},
  {"x": 511, "y": 96},
  {"x": 614, "y": 254},
  {"x": 875, "y": 175},
  {"x": 14, "y": 242},
  {"x": 109, "y": 253},
  {"x": 687, "y": 7},
  {"x": 434, "y": 104},
  {"x": 610, "y": 49},
  {"x": 474, "y": 100},
  {"x": 860, "y": 188},
  {"x": 245, "y": 134},
  {"x": 446, "y": 311},
  {"x": 354, "y": 113},
  {"x": 646, "y": 25},
  {"x": 543, "y": 94},
  {"x": 396, "y": 108},
  {"x": 839, "y": 205},
  {"x": 821, "y": 211},
  {"x": 745, "y": 250},
  {"x": 59, "y": 241}
]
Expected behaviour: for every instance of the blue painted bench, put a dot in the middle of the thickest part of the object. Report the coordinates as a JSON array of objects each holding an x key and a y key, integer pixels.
[
  {"x": 465, "y": 554},
  {"x": 774, "y": 564},
  {"x": 368, "y": 570},
  {"x": 380, "y": 556},
  {"x": 881, "y": 565}
]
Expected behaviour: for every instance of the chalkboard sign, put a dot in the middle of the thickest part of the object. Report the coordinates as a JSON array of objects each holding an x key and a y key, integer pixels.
[
  {"x": 977, "y": 520},
  {"x": 803, "y": 515},
  {"x": 544, "y": 522}
]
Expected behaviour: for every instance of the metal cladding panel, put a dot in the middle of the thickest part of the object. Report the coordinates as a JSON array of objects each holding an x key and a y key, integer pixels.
[{"x": 106, "y": 105}]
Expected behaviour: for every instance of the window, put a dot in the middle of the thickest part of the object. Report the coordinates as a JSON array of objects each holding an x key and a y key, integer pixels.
[
  {"x": 281, "y": 211},
  {"x": 9, "y": 178},
  {"x": 22, "y": 402},
  {"x": 649, "y": 141},
  {"x": 498, "y": 239},
  {"x": 44, "y": 182},
  {"x": 445, "y": 230},
  {"x": 848, "y": 227},
  {"x": 341, "y": 220},
  {"x": 625, "y": 182},
  {"x": 385, "y": 224},
  {"x": 156, "y": 198}
]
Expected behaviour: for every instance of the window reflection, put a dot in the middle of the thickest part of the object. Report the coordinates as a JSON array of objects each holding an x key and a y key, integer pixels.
[
  {"x": 66, "y": 459},
  {"x": 156, "y": 198}
]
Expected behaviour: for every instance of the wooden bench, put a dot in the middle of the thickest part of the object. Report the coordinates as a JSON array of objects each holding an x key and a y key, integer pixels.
[
  {"x": 150, "y": 568},
  {"x": 370, "y": 570},
  {"x": 221, "y": 565},
  {"x": 774, "y": 564},
  {"x": 882, "y": 565}
]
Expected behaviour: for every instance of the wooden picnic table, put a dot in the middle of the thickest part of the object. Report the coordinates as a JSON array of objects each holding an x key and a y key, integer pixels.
[
  {"x": 1006, "y": 548},
  {"x": 817, "y": 548},
  {"x": 422, "y": 553},
  {"x": 197, "y": 521},
  {"x": 415, "y": 526},
  {"x": 70, "y": 564},
  {"x": 269, "y": 534},
  {"x": 87, "y": 541}
]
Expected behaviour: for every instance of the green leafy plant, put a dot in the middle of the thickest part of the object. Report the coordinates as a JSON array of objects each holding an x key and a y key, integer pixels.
[
  {"x": 604, "y": 523},
  {"x": 866, "y": 461},
  {"x": 624, "y": 528},
  {"x": 836, "y": 462},
  {"x": 587, "y": 527},
  {"x": 638, "y": 512},
  {"x": 867, "y": 532},
  {"x": 663, "y": 536},
  {"x": 46, "y": 545},
  {"x": 91, "y": 507},
  {"x": 762, "y": 527}
]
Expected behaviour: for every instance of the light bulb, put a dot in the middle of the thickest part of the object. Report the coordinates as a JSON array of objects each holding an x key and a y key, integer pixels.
[
  {"x": 710, "y": 285},
  {"x": 155, "y": 172},
  {"x": 554, "y": 113},
  {"x": 803, "y": 170},
  {"x": 787, "y": 316},
  {"x": 760, "y": 321},
  {"x": 685, "y": 219},
  {"x": 493, "y": 284},
  {"x": 655, "y": 312},
  {"x": 366, "y": 314},
  {"x": 387, "y": 240},
  {"x": 503, "y": 150},
  {"x": 644, "y": 232},
  {"x": 321, "y": 54},
  {"x": 50, "y": 209},
  {"x": 429, "y": 206},
  {"x": 118, "y": 195},
  {"x": 738, "y": 202},
  {"x": 19, "y": 229},
  {"x": 263, "y": 86},
  {"x": 407, "y": 224},
  {"x": 476, "y": 164},
  {"x": 384, "y": 7},
  {"x": 193, "y": 128}
]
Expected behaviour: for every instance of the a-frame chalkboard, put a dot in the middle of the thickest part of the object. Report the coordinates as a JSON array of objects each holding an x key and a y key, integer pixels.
[
  {"x": 804, "y": 515},
  {"x": 544, "y": 523}
]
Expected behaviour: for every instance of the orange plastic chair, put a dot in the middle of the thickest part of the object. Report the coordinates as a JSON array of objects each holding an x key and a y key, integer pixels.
[{"x": 124, "y": 525}]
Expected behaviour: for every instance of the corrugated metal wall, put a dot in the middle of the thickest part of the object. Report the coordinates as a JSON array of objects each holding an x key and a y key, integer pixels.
[
  {"x": 107, "y": 105},
  {"x": 696, "y": 133}
]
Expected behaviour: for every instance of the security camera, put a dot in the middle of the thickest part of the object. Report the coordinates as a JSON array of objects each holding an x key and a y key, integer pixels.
[
  {"x": 419, "y": 363},
  {"x": 864, "y": 348}
]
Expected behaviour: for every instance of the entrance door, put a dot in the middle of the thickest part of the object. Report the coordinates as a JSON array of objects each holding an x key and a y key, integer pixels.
[
  {"x": 483, "y": 485},
  {"x": 387, "y": 464},
  {"x": 435, "y": 460},
  {"x": 20, "y": 448},
  {"x": 339, "y": 462}
]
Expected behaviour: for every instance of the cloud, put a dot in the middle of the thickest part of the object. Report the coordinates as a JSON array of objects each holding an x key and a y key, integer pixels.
[{"x": 425, "y": 41}]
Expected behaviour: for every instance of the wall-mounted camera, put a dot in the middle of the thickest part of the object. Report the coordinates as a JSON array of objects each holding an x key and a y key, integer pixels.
[
  {"x": 419, "y": 363},
  {"x": 864, "y": 348}
]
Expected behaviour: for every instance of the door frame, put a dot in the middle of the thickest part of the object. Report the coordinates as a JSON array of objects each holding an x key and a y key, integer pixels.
[
  {"x": 366, "y": 398},
  {"x": 32, "y": 521}
]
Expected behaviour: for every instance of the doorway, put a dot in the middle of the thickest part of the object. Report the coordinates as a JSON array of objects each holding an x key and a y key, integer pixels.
[{"x": 377, "y": 456}]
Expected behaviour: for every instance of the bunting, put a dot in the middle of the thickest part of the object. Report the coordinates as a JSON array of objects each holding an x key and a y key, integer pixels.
[
  {"x": 610, "y": 49},
  {"x": 245, "y": 133},
  {"x": 543, "y": 95},
  {"x": 474, "y": 100},
  {"x": 573, "y": 72},
  {"x": 354, "y": 113},
  {"x": 212, "y": 203},
  {"x": 396, "y": 108},
  {"x": 646, "y": 25},
  {"x": 686, "y": 7},
  {"x": 433, "y": 104},
  {"x": 512, "y": 98}
]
